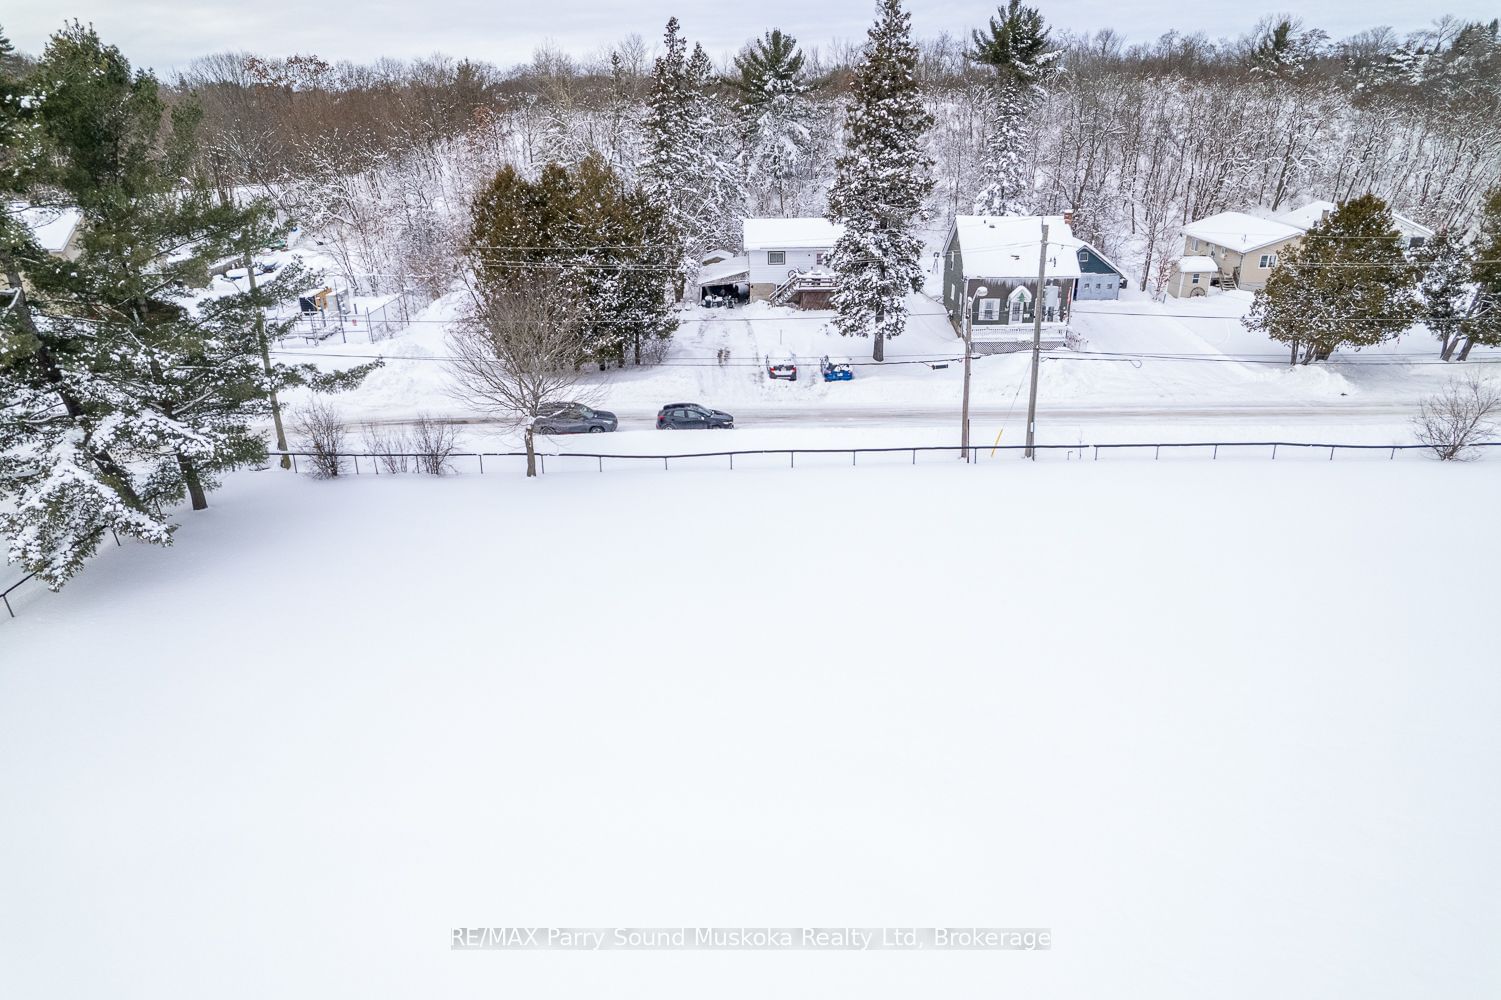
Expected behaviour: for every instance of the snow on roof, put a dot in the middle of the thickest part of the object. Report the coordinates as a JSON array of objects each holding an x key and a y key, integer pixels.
[
  {"x": 1188, "y": 265},
  {"x": 788, "y": 234},
  {"x": 724, "y": 272},
  {"x": 716, "y": 255},
  {"x": 1309, "y": 215},
  {"x": 1241, "y": 232},
  {"x": 1313, "y": 213},
  {"x": 1411, "y": 227},
  {"x": 52, "y": 228},
  {"x": 1007, "y": 246}
]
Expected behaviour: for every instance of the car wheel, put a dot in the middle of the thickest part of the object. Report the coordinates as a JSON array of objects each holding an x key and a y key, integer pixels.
[{"x": 596, "y": 430}]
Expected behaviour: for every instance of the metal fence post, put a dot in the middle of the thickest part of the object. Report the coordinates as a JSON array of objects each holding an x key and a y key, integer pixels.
[
  {"x": 1274, "y": 453},
  {"x": 481, "y": 457},
  {"x": 792, "y": 459},
  {"x": 544, "y": 464},
  {"x": 356, "y": 464},
  {"x": 1216, "y": 453},
  {"x": 1157, "y": 453},
  {"x": 1331, "y": 452},
  {"x": 601, "y": 462}
]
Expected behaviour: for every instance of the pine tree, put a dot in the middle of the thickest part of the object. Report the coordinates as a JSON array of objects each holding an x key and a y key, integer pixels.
[
  {"x": 880, "y": 183},
  {"x": 1445, "y": 289},
  {"x": 689, "y": 170},
  {"x": 1483, "y": 324},
  {"x": 1017, "y": 47},
  {"x": 776, "y": 114},
  {"x": 1348, "y": 283},
  {"x": 124, "y": 395}
]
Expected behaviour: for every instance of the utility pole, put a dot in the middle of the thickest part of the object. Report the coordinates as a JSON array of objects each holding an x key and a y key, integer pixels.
[
  {"x": 260, "y": 332},
  {"x": 969, "y": 348},
  {"x": 1037, "y": 307}
]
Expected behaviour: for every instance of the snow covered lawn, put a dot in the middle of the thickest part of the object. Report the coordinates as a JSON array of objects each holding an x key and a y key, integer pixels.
[{"x": 1229, "y": 729}]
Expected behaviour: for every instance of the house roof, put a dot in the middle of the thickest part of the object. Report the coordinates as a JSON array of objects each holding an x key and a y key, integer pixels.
[
  {"x": 1190, "y": 265},
  {"x": 1309, "y": 215},
  {"x": 790, "y": 234},
  {"x": 1008, "y": 246},
  {"x": 724, "y": 272},
  {"x": 1241, "y": 232},
  {"x": 52, "y": 228},
  {"x": 716, "y": 255},
  {"x": 1313, "y": 213}
]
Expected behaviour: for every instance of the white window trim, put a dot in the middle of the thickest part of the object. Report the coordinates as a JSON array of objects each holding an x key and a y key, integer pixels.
[
  {"x": 1268, "y": 260},
  {"x": 990, "y": 310},
  {"x": 772, "y": 255}
]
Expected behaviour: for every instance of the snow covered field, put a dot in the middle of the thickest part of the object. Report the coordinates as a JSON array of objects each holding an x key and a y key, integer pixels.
[{"x": 1227, "y": 729}]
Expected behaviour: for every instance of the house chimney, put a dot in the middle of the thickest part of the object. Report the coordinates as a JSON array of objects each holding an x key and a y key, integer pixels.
[{"x": 1068, "y": 217}]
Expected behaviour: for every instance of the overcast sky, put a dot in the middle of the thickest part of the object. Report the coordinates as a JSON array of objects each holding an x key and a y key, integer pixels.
[{"x": 167, "y": 34}]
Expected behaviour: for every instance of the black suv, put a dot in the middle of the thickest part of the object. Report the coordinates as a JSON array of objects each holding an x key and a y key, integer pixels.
[
  {"x": 691, "y": 416},
  {"x": 573, "y": 418}
]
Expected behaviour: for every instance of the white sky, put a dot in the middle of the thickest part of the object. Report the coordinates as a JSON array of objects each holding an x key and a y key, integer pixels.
[{"x": 166, "y": 34}]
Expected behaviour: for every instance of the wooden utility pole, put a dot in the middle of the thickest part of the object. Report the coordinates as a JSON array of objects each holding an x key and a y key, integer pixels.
[
  {"x": 260, "y": 332},
  {"x": 1037, "y": 307},
  {"x": 969, "y": 349}
]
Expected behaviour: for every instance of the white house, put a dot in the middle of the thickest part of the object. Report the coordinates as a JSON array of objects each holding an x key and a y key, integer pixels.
[{"x": 788, "y": 260}]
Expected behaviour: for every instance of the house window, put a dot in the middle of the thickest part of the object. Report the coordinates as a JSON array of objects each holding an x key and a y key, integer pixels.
[
  {"x": 776, "y": 256},
  {"x": 1196, "y": 279},
  {"x": 1267, "y": 260},
  {"x": 821, "y": 259},
  {"x": 990, "y": 310},
  {"x": 1083, "y": 257}
]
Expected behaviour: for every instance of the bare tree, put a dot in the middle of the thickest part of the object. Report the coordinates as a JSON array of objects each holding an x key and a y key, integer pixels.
[
  {"x": 518, "y": 349},
  {"x": 1459, "y": 417},
  {"x": 322, "y": 434},
  {"x": 433, "y": 441},
  {"x": 388, "y": 448}
]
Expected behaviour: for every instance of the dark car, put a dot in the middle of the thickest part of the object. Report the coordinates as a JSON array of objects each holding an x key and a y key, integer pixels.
[
  {"x": 573, "y": 418},
  {"x": 692, "y": 416}
]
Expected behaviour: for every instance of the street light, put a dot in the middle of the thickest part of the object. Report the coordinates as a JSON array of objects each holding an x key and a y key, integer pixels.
[{"x": 969, "y": 344}]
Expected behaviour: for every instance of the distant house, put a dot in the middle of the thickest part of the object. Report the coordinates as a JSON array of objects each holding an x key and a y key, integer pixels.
[
  {"x": 1000, "y": 254},
  {"x": 788, "y": 260},
  {"x": 1243, "y": 247},
  {"x": 55, "y": 229},
  {"x": 1098, "y": 277},
  {"x": 1414, "y": 234}
]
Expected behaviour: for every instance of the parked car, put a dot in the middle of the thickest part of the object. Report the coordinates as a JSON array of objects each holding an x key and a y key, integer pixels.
[
  {"x": 573, "y": 418},
  {"x": 692, "y": 416},
  {"x": 786, "y": 369},
  {"x": 835, "y": 373}
]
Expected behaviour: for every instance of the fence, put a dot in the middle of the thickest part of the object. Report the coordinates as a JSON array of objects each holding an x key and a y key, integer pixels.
[
  {"x": 976, "y": 453},
  {"x": 375, "y": 325}
]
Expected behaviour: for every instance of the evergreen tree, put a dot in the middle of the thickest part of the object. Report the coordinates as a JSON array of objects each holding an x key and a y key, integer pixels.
[
  {"x": 1017, "y": 47},
  {"x": 1483, "y": 324},
  {"x": 1445, "y": 289},
  {"x": 776, "y": 114},
  {"x": 598, "y": 237},
  {"x": 880, "y": 183},
  {"x": 1348, "y": 283},
  {"x": 123, "y": 395},
  {"x": 689, "y": 170}
]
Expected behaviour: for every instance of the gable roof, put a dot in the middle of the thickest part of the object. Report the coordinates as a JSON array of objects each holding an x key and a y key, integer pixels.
[
  {"x": 1008, "y": 246},
  {"x": 1241, "y": 232},
  {"x": 1309, "y": 215},
  {"x": 790, "y": 234}
]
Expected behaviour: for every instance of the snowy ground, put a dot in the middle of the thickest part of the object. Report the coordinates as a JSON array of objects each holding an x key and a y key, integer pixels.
[
  {"x": 1184, "y": 369},
  {"x": 1221, "y": 745}
]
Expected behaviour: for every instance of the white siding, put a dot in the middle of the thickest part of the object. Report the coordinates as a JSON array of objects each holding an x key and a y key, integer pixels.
[{"x": 774, "y": 274}]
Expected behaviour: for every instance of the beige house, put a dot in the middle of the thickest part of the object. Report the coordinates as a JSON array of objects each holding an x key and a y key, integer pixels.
[
  {"x": 1243, "y": 249},
  {"x": 56, "y": 230}
]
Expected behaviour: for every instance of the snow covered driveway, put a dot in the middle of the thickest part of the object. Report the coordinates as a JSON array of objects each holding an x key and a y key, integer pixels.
[{"x": 1211, "y": 723}]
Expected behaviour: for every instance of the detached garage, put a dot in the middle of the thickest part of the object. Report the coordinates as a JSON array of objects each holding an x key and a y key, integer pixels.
[{"x": 1098, "y": 278}]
